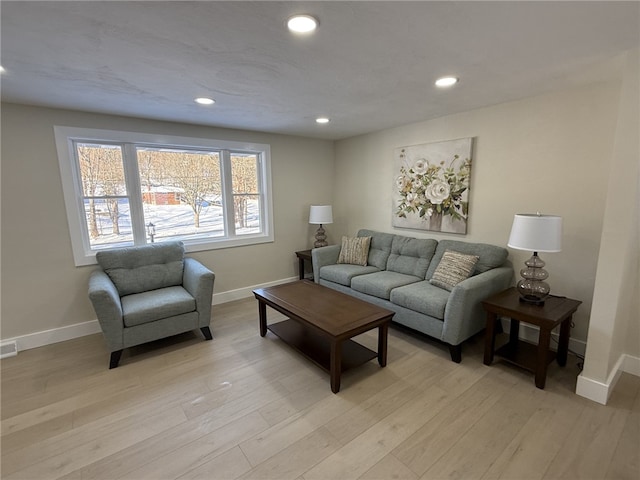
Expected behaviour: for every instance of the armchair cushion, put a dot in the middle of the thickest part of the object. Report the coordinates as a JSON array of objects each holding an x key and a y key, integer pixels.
[
  {"x": 140, "y": 269},
  {"x": 154, "y": 305}
]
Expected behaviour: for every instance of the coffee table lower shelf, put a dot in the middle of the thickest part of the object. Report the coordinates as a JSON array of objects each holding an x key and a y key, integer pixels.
[{"x": 317, "y": 348}]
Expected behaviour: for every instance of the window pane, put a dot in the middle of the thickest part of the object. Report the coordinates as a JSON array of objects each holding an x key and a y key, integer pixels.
[
  {"x": 101, "y": 169},
  {"x": 246, "y": 198},
  {"x": 108, "y": 222},
  {"x": 181, "y": 193},
  {"x": 247, "y": 214}
]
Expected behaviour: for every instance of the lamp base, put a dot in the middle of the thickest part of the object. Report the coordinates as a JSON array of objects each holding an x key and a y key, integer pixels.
[
  {"x": 321, "y": 238},
  {"x": 531, "y": 300},
  {"x": 532, "y": 288}
]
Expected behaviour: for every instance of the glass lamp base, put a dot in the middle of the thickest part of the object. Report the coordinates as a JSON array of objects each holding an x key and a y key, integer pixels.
[
  {"x": 532, "y": 288},
  {"x": 533, "y": 291},
  {"x": 321, "y": 238}
]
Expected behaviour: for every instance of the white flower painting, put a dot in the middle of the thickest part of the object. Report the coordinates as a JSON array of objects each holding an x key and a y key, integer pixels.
[{"x": 431, "y": 186}]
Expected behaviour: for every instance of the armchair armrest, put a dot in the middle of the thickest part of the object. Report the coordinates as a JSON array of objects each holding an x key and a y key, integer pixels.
[
  {"x": 106, "y": 303},
  {"x": 324, "y": 256},
  {"x": 198, "y": 281},
  {"x": 464, "y": 315}
]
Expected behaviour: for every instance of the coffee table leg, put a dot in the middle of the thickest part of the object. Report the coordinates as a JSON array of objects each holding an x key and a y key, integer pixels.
[
  {"x": 336, "y": 365},
  {"x": 383, "y": 330},
  {"x": 262, "y": 312}
]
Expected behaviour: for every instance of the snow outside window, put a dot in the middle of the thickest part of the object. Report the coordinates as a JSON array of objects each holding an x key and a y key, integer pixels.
[{"x": 123, "y": 189}]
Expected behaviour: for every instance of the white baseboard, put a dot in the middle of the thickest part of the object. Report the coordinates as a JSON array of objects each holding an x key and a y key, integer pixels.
[
  {"x": 600, "y": 392},
  {"x": 631, "y": 365},
  {"x": 69, "y": 332},
  {"x": 55, "y": 335}
]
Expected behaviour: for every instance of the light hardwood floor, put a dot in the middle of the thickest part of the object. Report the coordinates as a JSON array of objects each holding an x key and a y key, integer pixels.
[{"x": 242, "y": 406}]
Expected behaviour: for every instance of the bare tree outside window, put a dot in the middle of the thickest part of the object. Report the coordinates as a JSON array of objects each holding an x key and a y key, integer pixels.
[
  {"x": 180, "y": 177},
  {"x": 102, "y": 176},
  {"x": 244, "y": 172}
]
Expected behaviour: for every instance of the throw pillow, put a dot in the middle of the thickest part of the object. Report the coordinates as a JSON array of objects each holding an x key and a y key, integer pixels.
[
  {"x": 453, "y": 268},
  {"x": 355, "y": 250}
]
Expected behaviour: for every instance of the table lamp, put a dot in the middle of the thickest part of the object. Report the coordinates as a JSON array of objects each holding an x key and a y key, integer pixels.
[
  {"x": 320, "y": 215},
  {"x": 537, "y": 233}
]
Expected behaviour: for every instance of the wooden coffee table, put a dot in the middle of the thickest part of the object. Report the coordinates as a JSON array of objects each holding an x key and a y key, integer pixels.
[{"x": 322, "y": 322}]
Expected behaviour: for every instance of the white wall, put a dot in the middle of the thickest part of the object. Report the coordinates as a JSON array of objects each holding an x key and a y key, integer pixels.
[
  {"x": 550, "y": 153},
  {"x": 614, "y": 336},
  {"x": 43, "y": 290}
]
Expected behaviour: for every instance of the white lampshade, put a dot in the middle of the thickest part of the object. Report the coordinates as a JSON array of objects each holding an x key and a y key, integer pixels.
[
  {"x": 320, "y": 214},
  {"x": 536, "y": 232}
]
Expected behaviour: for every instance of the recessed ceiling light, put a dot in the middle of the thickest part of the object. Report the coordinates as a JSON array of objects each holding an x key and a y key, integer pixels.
[
  {"x": 205, "y": 101},
  {"x": 2, "y": 70},
  {"x": 446, "y": 81},
  {"x": 302, "y": 23},
  {"x": 322, "y": 120}
]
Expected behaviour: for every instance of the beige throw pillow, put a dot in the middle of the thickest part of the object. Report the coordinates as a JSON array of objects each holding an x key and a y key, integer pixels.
[
  {"x": 453, "y": 268},
  {"x": 355, "y": 250}
]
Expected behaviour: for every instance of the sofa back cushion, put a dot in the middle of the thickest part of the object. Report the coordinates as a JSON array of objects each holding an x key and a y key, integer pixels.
[
  {"x": 411, "y": 256},
  {"x": 140, "y": 269},
  {"x": 379, "y": 249},
  {"x": 489, "y": 256}
]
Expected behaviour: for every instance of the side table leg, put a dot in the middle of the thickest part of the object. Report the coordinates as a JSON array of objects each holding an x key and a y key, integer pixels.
[
  {"x": 514, "y": 332},
  {"x": 563, "y": 342},
  {"x": 336, "y": 365},
  {"x": 262, "y": 313},
  {"x": 543, "y": 355},
  {"x": 490, "y": 338},
  {"x": 301, "y": 268},
  {"x": 383, "y": 331}
]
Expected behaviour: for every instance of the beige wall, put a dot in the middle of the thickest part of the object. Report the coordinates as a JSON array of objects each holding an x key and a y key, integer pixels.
[
  {"x": 41, "y": 287},
  {"x": 613, "y": 330},
  {"x": 550, "y": 153}
]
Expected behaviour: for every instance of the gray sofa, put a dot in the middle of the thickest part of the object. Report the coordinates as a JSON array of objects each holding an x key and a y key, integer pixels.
[
  {"x": 397, "y": 276},
  {"x": 149, "y": 292}
]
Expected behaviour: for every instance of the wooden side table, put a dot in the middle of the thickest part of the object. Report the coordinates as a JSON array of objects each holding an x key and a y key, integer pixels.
[
  {"x": 302, "y": 256},
  {"x": 555, "y": 311}
]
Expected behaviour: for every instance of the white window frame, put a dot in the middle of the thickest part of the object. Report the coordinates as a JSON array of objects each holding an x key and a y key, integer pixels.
[{"x": 72, "y": 186}]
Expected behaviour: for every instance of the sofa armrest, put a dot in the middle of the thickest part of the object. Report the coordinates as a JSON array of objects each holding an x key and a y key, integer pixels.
[
  {"x": 464, "y": 315},
  {"x": 324, "y": 256},
  {"x": 198, "y": 281},
  {"x": 106, "y": 302}
]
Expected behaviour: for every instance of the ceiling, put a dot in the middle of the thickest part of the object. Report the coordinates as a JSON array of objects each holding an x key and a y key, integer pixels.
[{"x": 369, "y": 66}]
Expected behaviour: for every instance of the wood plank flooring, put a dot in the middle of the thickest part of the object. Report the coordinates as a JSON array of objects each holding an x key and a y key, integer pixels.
[{"x": 246, "y": 407}]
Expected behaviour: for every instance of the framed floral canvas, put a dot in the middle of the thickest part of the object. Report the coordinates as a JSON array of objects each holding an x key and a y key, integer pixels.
[{"x": 431, "y": 187}]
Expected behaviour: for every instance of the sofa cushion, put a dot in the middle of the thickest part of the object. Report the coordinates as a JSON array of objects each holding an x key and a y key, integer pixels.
[
  {"x": 155, "y": 305},
  {"x": 380, "y": 284},
  {"x": 379, "y": 249},
  {"x": 490, "y": 256},
  {"x": 354, "y": 250},
  {"x": 344, "y": 273},
  {"x": 422, "y": 297},
  {"x": 411, "y": 256},
  {"x": 139, "y": 269},
  {"x": 453, "y": 268}
]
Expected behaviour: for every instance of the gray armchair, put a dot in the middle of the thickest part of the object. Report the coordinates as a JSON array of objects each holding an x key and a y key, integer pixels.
[{"x": 145, "y": 293}]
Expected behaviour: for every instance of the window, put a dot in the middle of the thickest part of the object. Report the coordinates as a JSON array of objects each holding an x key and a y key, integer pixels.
[{"x": 123, "y": 189}]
